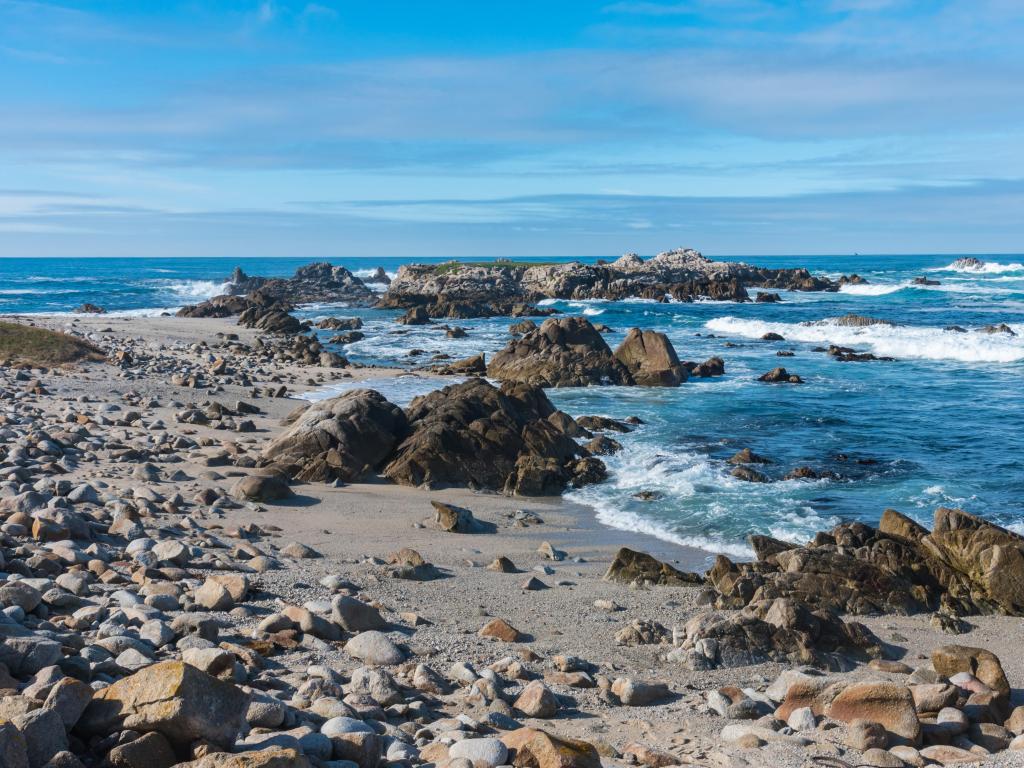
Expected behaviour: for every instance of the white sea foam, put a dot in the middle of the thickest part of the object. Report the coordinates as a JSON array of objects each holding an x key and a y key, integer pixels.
[
  {"x": 987, "y": 267},
  {"x": 194, "y": 290},
  {"x": 116, "y": 313},
  {"x": 917, "y": 342},
  {"x": 362, "y": 274},
  {"x": 398, "y": 389},
  {"x": 884, "y": 289},
  {"x": 614, "y": 516},
  {"x": 700, "y": 492},
  {"x": 873, "y": 289}
]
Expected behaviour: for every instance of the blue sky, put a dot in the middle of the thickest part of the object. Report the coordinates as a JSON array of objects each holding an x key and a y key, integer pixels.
[{"x": 328, "y": 128}]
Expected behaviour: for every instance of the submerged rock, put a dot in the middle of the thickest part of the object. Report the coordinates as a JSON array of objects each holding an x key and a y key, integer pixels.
[{"x": 780, "y": 376}]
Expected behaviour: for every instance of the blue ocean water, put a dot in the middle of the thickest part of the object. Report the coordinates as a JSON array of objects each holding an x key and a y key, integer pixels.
[{"x": 942, "y": 425}]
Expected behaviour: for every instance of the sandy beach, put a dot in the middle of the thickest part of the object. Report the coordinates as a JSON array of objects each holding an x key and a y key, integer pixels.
[{"x": 354, "y": 529}]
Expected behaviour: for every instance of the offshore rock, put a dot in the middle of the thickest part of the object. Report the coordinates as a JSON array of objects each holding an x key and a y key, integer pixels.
[
  {"x": 458, "y": 290},
  {"x": 564, "y": 352}
]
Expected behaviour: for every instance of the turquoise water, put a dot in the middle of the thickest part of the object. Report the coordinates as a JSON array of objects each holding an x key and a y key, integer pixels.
[{"x": 943, "y": 425}]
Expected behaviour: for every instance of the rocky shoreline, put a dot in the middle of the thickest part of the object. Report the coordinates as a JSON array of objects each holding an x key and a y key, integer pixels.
[
  {"x": 196, "y": 572},
  {"x": 471, "y": 290},
  {"x": 464, "y": 290}
]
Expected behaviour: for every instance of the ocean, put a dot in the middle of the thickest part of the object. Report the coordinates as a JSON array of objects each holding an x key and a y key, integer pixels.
[{"x": 942, "y": 425}]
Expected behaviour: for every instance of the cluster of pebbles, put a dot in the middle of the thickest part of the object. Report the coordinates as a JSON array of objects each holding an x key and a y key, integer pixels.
[{"x": 139, "y": 630}]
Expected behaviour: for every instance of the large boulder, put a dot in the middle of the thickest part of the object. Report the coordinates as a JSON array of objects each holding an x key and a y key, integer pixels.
[
  {"x": 563, "y": 352},
  {"x": 950, "y": 660},
  {"x": 990, "y": 558},
  {"x": 650, "y": 359},
  {"x": 474, "y": 434},
  {"x": 776, "y": 630},
  {"x": 172, "y": 698},
  {"x": 889, "y": 704},
  {"x": 345, "y": 437},
  {"x": 535, "y": 748},
  {"x": 272, "y": 757},
  {"x": 269, "y": 487},
  {"x": 630, "y": 566}
]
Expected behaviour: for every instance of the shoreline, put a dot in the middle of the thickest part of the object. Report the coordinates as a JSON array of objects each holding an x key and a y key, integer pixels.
[
  {"x": 561, "y": 606},
  {"x": 599, "y": 536}
]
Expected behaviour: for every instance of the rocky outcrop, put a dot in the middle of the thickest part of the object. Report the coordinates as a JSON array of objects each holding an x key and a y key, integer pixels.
[
  {"x": 570, "y": 352},
  {"x": 977, "y": 562},
  {"x": 316, "y": 282},
  {"x": 964, "y": 566},
  {"x": 779, "y": 630},
  {"x": 650, "y": 359},
  {"x": 343, "y": 438},
  {"x": 563, "y": 352},
  {"x": 89, "y": 309},
  {"x": 852, "y": 320},
  {"x": 259, "y": 309},
  {"x": 474, "y": 434},
  {"x": 474, "y": 365},
  {"x": 630, "y": 566},
  {"x": 780, "y": 376},
  {"x": 474, "y": 289}
]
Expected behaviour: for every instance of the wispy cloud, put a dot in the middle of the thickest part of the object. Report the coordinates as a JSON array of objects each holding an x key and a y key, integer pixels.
[{"x": 196, "y": 116}]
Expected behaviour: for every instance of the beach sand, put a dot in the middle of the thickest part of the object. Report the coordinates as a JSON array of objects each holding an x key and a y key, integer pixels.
[{"x": 356, "y": 526}]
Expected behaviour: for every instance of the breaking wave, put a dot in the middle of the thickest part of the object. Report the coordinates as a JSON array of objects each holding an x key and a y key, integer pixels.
[
  {"x": 900, "y": 341},
  {"x": 986, "y": 267}
]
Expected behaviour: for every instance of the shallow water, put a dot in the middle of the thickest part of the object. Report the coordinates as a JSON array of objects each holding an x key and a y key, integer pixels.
[{"x": 943, "y": 425}]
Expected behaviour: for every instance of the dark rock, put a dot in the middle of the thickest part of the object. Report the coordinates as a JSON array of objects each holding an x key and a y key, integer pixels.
[
  {"x": 713, "y": 366},
  {"x": 602, "y": 424},
  {"x": 780, "y": 376},
  {"x": 630, "y": 566},
  {"x": 747, "y": 456},
  {"x": 269, "y": 487},
  {"x": 90, "y": 309},
  {"x": 342, "y": 438},
  {"x": 483, "y": 289},
  {"x": 415, "y": 316},
  {"x": 565, "y": 352},
  {"x": 473, "y": 434},
  {"x": 778, "y": 630},
  {"x": 650, "y": 359},
  {"x": 749, "y": 475},
  {"x": 856, "y": 321},
  {"x": 469, "y": 366}
]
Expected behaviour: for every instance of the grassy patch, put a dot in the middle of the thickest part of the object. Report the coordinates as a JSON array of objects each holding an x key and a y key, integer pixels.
[
  {"x": 454, "y": 266},
  {"x": 27, "y": 345}
]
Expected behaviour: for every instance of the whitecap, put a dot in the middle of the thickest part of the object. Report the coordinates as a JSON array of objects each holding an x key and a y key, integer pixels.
[
  {"x": 193, "y": 290},
  {"x": 915, "y": 342},
  {"x": 400, "y": 389},
  {"x": 872, "y": 289},
  {"x": 986, "y": 267}
]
